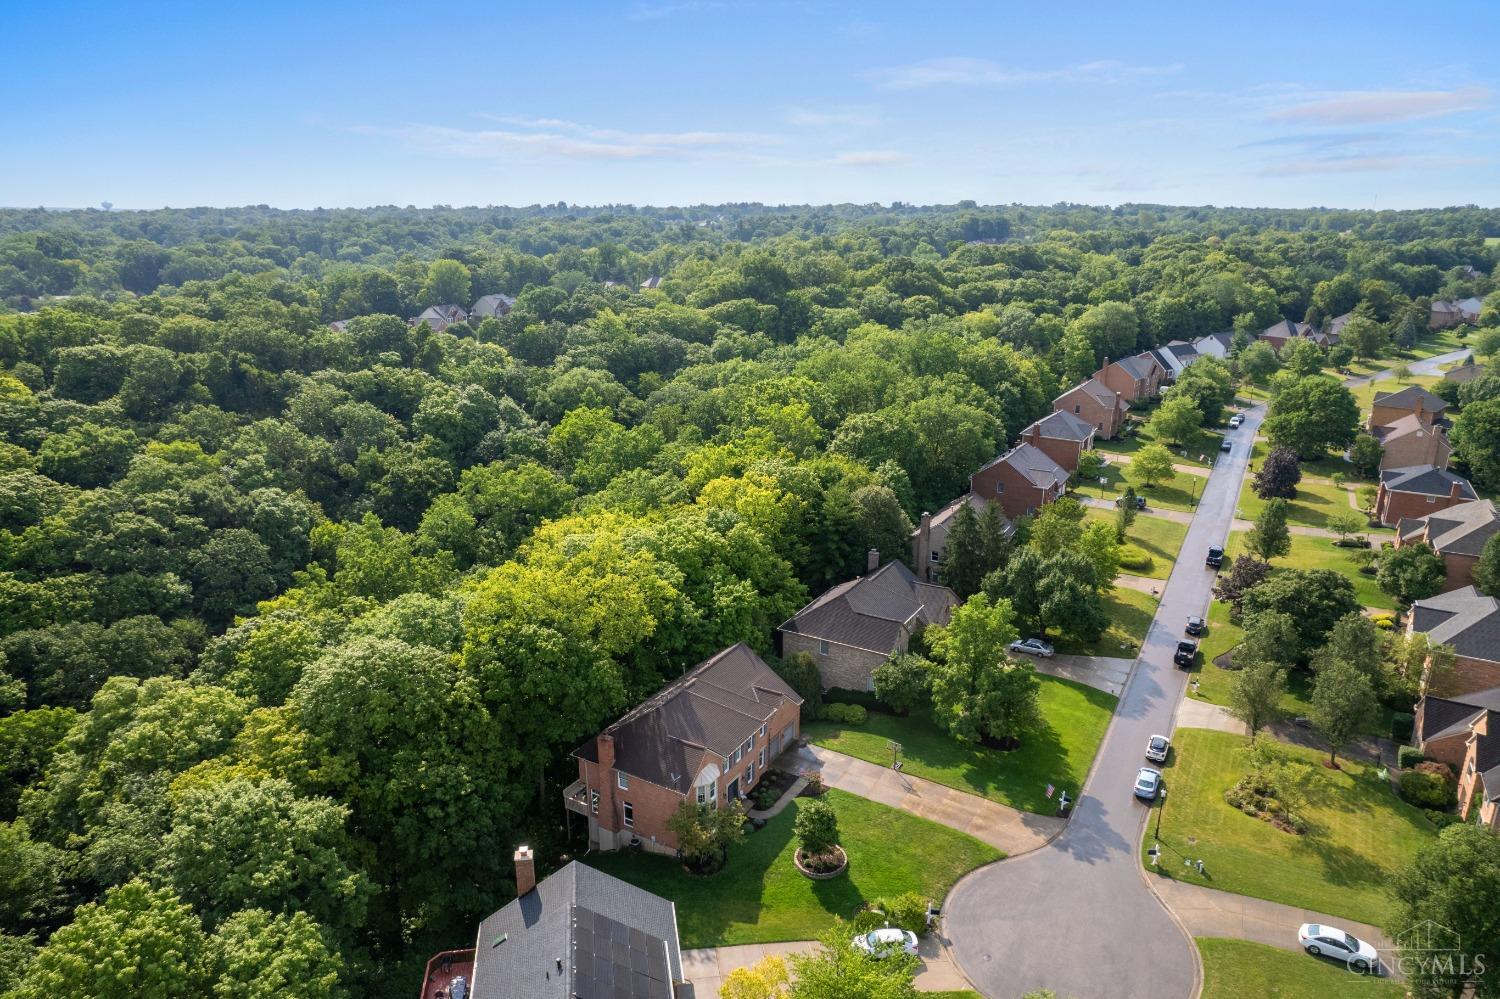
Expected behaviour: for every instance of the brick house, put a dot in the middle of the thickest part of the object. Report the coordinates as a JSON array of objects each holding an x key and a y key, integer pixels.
[
  {"x": 1444, "y": 315},
  {"x": 1022, "y": 480},
  {"x": 1095, "y": 403},
  {"x": 1464, "y": 371},
  {"x": 1279, "y": 333},
  {"x": 1134, "y": 378},
  {"x": 1334, "y": 328},
  {"x": 1063, "y": 437},
  {"x": 1464, "y": 732},
  {"x": 1408, "y": 441},
  {"x": 929, "y": 538},
  {"x": 1416, "y": 491},
  {"x": 707, "y": 736},
  {"x": 1413, "y": 400},
  {"x": 492, "y": 307},
  {"x": 1458, "y": 534},
  {"x": 1469, "y": 621},
  {"x": 855, "y": 626}
]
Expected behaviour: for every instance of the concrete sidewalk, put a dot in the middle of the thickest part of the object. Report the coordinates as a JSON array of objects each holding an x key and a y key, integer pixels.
[
  {"x": 1006, "y": 829},
  {"x": 1105, "y": 673},
  {"x": 1207, "y": 912},
  {"x": 707, "y": 968}
]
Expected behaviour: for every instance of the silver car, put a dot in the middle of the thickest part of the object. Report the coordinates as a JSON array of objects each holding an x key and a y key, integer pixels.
[
  {"x": 1147, "y": 783},
  {"x": 1032, "y": 647},
  {"x": 1330, "y": 941},
  {"x": 886, "y": 941}
]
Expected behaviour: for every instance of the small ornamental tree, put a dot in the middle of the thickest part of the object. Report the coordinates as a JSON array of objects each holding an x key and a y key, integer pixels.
[
  {"x": 1269, "y": 538},
  {"x": 816, "y": 827},
  {"x": 1090, "y": 466},
  {"x": 1125, "y": 513},
  {"x": 1279, "y": 474},
  {"x": 1343, "y": 705},
  {"x": 904, "y": 683},
  {"x": 1411, "y": 572},
  {"x": 1245, "y": 573},
  {"x": 1365, "y": 454},
  {"x": 704, "y": 832},
  {"x": 1255, "y": 694},
  {"x": 1344, "y": 523},
  {"x": 1152, "y": 464}
]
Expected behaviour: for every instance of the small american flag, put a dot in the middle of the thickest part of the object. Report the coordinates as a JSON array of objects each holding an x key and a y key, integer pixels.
[{"x": 1050, "y": 789}]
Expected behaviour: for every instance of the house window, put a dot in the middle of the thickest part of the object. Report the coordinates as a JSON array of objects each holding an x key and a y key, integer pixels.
[
  {"x": 935, "y": 556},
  {"x": 762, "y": 757},
  {"x": 629, "y": 815},
  {"x": 708, "y": 794},
  {"x": 750, "y": 774},
  {"x": 762, "y": 731},
  {"x": 749, "y": 745},
  {"x": 1432, "y": 499},
  {"x": 622, "y": 781},
  {"x": 822, "y": 646},
  {"x": 1077, "y": 409},
  {"x": 594, "y": 801},
  {"x": 999, "y": 488},
  {"x": 738, "y": 755}
]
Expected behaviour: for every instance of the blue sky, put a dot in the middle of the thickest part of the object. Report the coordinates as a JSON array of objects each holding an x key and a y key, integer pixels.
[{"x": 307, "y": 104}]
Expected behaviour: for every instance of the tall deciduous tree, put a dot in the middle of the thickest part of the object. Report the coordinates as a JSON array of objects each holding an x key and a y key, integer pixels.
[
  {"x": 1314, "y": 598},
  {"x": 838, "y": 971},
  {"x": 1255, "y": 695},
  {"x": 1177, "y": 419},
  {"x": 258, "y": 955},
  {"x": 447, "y": 284},
  {"x": 1279, "y": 474},
  {"x": 1152, "y": 464},
  {"x": 1411, "y": 572},
  {"x": 1343, "y": 705},
  {"x": 1311, "y": 415},
  {"x": 1451, "y": 887},
  {"x": 1269, "y": 538},
  {"x": 1487, "y": 568},
  {"x": 976, "y": 691},
  {"x": 1476, "y": 439}
]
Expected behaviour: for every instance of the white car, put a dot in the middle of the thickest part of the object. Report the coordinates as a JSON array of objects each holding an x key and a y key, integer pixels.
[
  {"x": 1330, "y": 941},
  {"x": 1236, "y": 420},
  {"x": 1157, "y": 748},
  {"x": 1147, "y": 783},
  {"x": 886, "y": 941},
  {"x": 1032, "y": 647}
]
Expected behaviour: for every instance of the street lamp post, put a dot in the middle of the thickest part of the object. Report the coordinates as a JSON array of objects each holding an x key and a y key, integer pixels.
[
  {"x": 1195, "y": 492},
  {"x": 1159, "y": 809}
]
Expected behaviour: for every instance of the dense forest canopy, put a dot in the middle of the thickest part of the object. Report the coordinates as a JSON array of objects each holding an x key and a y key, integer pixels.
[{"x": 299, "y": 622}]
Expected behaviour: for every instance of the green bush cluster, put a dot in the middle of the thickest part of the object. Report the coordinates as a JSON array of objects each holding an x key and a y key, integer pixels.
[
  {"x": 1430, "y": 785},
  {"x": 1135, "y": 559},
  {"x": 846, "y": 714},
  {"x": 1408, "y": 757}
]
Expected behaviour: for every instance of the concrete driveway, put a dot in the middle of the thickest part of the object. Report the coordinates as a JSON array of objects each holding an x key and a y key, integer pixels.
[
  {"x": 1077, "y": 916},
  {"x": 706, "y": 969}
]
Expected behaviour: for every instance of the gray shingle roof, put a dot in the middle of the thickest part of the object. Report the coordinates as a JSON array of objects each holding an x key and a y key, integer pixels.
[
  {"x": 1462, "y": 529},
  {"x": 870, "y": 612},
  {"x": 1139, "y": 365},
  {"x": 714, "y": 706},
  {"x": 1427, "y": 480},
  {"x": 1409, "y": 397},
  {"x": 1097, "y": 390},
  {"x": 493, "y": 306},
  {"x": 1446, "y": 716},
  {"x": 1033, "y": 463},
  {"x": 613, "y": 939},
  {"x": 1465, "y": 619},
  {"x": 1404, "y": 426},
  {"x": 1062, "y": 425}
]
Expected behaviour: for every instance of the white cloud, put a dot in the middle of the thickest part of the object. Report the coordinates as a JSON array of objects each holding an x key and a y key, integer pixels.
[
  {"x": 1354, "y": 107},
  {"x": 962, "y": 71},
  {"x": 868, "y": 157},
  {"x": 559, "y": 138}
]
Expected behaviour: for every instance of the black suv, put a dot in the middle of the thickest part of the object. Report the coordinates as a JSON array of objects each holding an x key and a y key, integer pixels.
[
  {"x": 1186, "y": 653},
  {"x": 1215, "y": 557}
]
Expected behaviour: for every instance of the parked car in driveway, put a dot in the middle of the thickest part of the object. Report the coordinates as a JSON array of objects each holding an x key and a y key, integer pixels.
[
  {"x": 1147, "y": 783},
  {"x": 1330, "y": 941},
  {"x": 1195, "y": 626},
  {"x": 1157, "y": 748},
  {"x": 886, "y": 941},
  {"x": 1032, "y": 647},
  {"x": 1186, "y": 654}
]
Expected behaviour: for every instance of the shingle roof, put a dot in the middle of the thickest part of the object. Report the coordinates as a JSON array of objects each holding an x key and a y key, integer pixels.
[
  {"x": 870, "y": 612},
  {"x": 1465, "y": 619},
  {"x": 1099, "y": 391},
  {"x": 612, "y": 939},
  {"x": 1062, "y": 425},
  {"x": 493, "y": 306},
  {"x": 1443, "y": 305},
  {"x": 1470, "y": 304},
  {"x": 1403, "y": 427},
  {"x": 713, "y": 706},
  {"x": 1428, "y": 480},
  {"x": 1287, "y": 328},
  {"x": 1409, "y": 397},
  {"x": 1462, "y": 529},
  {"x": 1337, "y": 323},
  {"x": 1224, "y": 339},
  {"x": 1138, "y": 365},
  {"x": 1032, "y": 462}
]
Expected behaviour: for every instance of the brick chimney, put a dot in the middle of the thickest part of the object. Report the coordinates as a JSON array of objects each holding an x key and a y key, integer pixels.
[
  {"x": 872, "y": 560},
  {"x": 1454, "y": 493},
  {"x": 608, "y": 813},
  {"x": 525, "y": 870},
  {"x": 923, "y": 547}
]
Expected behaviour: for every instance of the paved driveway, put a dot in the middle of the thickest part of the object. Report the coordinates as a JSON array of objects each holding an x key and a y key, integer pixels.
[{"x": 1077, "y": 916}]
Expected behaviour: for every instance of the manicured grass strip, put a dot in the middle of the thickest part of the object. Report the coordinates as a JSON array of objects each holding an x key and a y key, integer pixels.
[
  {"x": 1315, "y": 501},
  {"x": 1178, "y": 494},
  {"x": 1075, "y": 716},
  {"x": 1359, "y": 832},
  {"x": 1365, "y": 394},
  {"x": 1320, "y": 553},
  {"x": 1130, "y": 613},
  {"x": 1159, "y": 538},
  {"x": 760, "y": 897},
  {"x": 1233, "y": 969},
  {"x": 1323, "y": 467}
]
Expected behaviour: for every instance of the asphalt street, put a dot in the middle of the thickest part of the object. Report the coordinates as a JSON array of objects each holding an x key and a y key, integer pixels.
[{"x": 1076, "y": 915}]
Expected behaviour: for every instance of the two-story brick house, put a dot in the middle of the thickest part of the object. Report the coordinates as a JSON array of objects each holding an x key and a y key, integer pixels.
[
  {"x": 1279, "y": 333},
  {"x": 1413, "y": 400},
  {"x": 1409, "y": 493},
  {"x": 929, "y": 539},
  {"x": 1444, "y": 314},
  {"x": 854, "y": 627},
  {"x": 1458, "y": 534},
  {"x": 1022, "y": 480},
  {"x": 1464, "y": 371},
  {"x": 1469, "y": 621},
  {"x": 705, "y": 737},
  {"x": 1097, "y": 404},
  {"x": 1464, "y": 732},
  {"x": 1133, "y": 378},
  {"x": 1062, "y": 436}
]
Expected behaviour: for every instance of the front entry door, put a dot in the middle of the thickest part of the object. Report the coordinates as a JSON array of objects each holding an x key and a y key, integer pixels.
[{"x": 733, "y": 790}]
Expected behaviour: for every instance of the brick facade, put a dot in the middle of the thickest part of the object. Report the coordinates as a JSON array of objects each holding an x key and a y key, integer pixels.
[
  {"x": 1426, "y": 446},
  {"x": 1393, "y": 506},
  {"x": 1130, "y": 387},
  {"x": 841, "y": 665},
  {"x": 1106, "y": 417},
  {"x": 1002, "y": 483},
  {"x": 1065, "y": 452}
]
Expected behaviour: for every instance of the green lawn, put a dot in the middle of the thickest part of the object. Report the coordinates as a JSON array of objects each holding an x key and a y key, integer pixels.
[
  {"x": 1324, "y": 467},
  {"x": 1178, "y": 494},
  {"x": 1316, "y": 499},
  {"x": 1130, "y": 613},
  {"x": 1320, "y": 553},
  {"x": 1234, "y": 969},
  {"x": 1360, "y": 832},
  {"x": 1076, "y": 717},
  {"x": 1206, "y": 443},
  {"x": 761, "y": 897},
  {"x": 1159, "y": 538},
  {"x": 1365, "y": 394}
]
